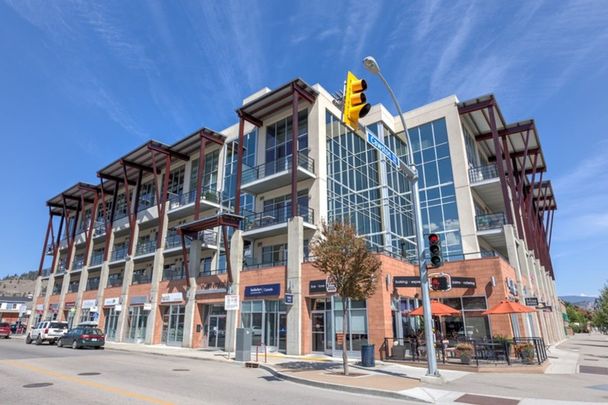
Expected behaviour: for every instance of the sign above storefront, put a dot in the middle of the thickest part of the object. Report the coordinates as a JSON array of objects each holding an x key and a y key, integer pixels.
[
  {"x": 414, "y": 281},
  {"x": 148, "y": 307},
  {"x": 138, "y": 300},
  {"x": 464, "y": 282},
  {"x": 406, "y": 281},
  {"x": 262, "y": 290},
  {"x": 110, "y": 302},
  {"x": 532, "y": 301},
  {"x": 54, "y": 307},
  {"x": 87, "y": 304},
  {"x": 40, "y": 307},
  {"x": 317, "y": 286},
  {"x": 172, "y": 297},
  {"x": 69, "y": 304},
  {"x": 212, "y": 288},
  {"x": 288, "y": 299}
]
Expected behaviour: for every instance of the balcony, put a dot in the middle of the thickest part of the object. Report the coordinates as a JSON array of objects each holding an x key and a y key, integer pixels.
[
  {"x": 46, "y": 272},
  {"x": 96, "y": 259},
  {"x": 114, "y": 280},
  {"x": 99, "y": 229},
  {"x": 210, "y": 198},
  {"x": 208, "y": 240},
  {"x": 174, "y": 273},
  {"x": 141, "y": 278},
  {"x": 264, "y": 264},
  {"x": 486, "y": 183},
  {"x": 212, "y": 272},
  {"x": 146, "y": 247},
  {"x": 119, "y": 254},
  {"x": 275, "y": 174},
  {"x": 78, "y": 263},
  {"x": 73, "y": 288},
  {"x": 274, "y": 222},
  {"x": 490, "y": 228},
  {"x": 93, "y": 284}
]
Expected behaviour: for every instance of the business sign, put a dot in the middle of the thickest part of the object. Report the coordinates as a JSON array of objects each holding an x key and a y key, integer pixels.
[
  {"x": 117, "y": 308},
  {"x": 532, "y": 301},
  {"x": 88, "y": 304},
  {"x": 464, "y": 282},
  {"x": 231, "y": 302},
  {"x": 330, "y": 286},
  {"x": 138, "y": 300},
  {"x": 317, "y": 286},
  {"x": 147, "y": 307},
  {"x": 378, "y": 144},
  {"x": 406, "y": 281},
  {"x": 69, "y": 304},
  {"x": 172, "y": 297},
  {"x": 54, "y": 307},
  {"x": 212, "y": 288},
  {"x": 40, "y": 307},
  {"x": 262, "y": 290},
  {"x": 288, "y": 299},
  {"x": 110, "y": 302}
]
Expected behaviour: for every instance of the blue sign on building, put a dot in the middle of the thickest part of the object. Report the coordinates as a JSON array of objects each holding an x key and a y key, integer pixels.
[
  {"x": 288, "y": 299},
  {"x": 262, "y": 290},
  {"x": 378, "y": 144}
]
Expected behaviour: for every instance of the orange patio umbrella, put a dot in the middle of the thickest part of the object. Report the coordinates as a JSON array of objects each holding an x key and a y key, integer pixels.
[
  {"x": 437, "y": 309},
  {"x": 507, "y": 308}
]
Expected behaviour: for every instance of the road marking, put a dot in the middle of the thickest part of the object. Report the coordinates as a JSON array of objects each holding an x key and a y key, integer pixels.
[{"x": 86, "y": 383}]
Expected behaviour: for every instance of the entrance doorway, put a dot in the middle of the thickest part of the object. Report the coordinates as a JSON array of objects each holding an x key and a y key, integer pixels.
[
  {"x": 111, "y": 323},
  {"x": 318, "y": 331},
  {"x": 173, "y": 325},
  {"x": 137, "y": 323},
  {"x": 217, "y": 331}
]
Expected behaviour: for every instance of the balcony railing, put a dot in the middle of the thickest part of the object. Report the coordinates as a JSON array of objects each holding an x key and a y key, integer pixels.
[
  {"x": 119, "y": 254},
  {"x": 56, "y": 291},
  {"x": 179, "y": 200},
  {"x": 276, "y": 216},
  {"x": 481, "y": 173},
  {"x": 208, "y": 237},
  {"x": 78, "y": 263},
  {"x": 97, "y": 259},
  {"x": 100, "y": 228},
  {"x": 211, "y": 272},
  {"x": 144, "y": 248},
  {"x": 174, "y": 273},
  {"x": 490, "y": 221},
  {"x": 263, "y": 264},
  {"x": 277, "y": 166},
  {"x": 114, "y": 281},
  {"x": 93, "y": 284},
  {"x": 73, "y": 288},
  {"x": 46, "y": 272},
  {"x": 141, "y": 279}
]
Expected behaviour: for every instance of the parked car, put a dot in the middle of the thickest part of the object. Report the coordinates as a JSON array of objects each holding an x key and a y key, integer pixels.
[
  {"x": 83, "y": 336},
  {"x": 47, "y": 331},
  {"x": 5, "y": 330}
]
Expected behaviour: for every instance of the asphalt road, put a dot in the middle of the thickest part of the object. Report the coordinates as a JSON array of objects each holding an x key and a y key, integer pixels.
[{"x": 45, "y": 374}]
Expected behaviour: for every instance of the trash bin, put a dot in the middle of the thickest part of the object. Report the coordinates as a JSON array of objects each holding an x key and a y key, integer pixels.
[{"x": 367, "y": 356}]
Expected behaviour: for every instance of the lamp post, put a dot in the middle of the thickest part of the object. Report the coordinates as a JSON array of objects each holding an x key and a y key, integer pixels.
[{"x": 409, "y": 169}]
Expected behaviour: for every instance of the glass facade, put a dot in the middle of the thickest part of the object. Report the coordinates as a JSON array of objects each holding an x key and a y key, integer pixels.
[
  {"x": 437, "y": 193},
  {"x": 268, "y": 321},
  {"x": 279, "y": 144},
  {"x": 249, "y": 148},
  {"x": 209, "y": 172}
]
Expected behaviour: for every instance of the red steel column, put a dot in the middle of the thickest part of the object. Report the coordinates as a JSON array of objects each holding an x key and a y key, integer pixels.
[
  {"x": 499, "y": 163},
  {"x": 46, "y": 241}
]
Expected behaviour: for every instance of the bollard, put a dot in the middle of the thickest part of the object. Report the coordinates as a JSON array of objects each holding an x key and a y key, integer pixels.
[
  {"x": 257, "y": 349},
  {"x": 265, "y": 354}
]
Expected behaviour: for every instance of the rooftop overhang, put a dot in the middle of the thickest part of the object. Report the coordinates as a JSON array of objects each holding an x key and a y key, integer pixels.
[
  {"x": 272, "y": 102},
  {"x": 139, "y": 159},
  {"x": 544, "y": 197},
  {"x": 223, "y": 219},
  {"x": 190, "y": 144},
  {"x": 71, "y": 198}
]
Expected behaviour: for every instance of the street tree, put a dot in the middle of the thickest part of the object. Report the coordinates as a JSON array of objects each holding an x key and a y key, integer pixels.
[
  {"x": 600, "y": 316},
  {"x": 344, "y": 257}
]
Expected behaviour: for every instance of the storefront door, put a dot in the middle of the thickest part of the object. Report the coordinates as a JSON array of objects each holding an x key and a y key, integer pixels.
[
  {"x": 173, "y": 325},
  {"x": 318, "y": 331},
  {"x": 138, "y": 321},
  {"x": 111, "y": 323},
  {"x": 217, "y": 331}
]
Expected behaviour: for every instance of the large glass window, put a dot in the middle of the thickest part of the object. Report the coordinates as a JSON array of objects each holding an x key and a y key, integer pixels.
[
  {"x": 209, "y": 172},
  {"x": 249, "y": 150},
  {"x": 279, "y": 144},
  {"x": 268, "y": 321},
  {"x": 176, "y": 181}
]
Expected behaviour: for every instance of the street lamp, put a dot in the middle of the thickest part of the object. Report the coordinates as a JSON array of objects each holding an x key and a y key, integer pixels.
[{"x": 411, "y": 173}]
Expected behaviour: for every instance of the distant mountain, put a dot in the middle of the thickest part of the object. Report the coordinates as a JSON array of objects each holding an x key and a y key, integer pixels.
[{"x": 584, "y": 302}]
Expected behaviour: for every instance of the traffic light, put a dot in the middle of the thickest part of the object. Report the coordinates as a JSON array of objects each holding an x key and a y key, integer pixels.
[
  {"x": 440, "y": 282},
  {"x": 435, "y": 249},
  {"x": 355, "y": 102}
]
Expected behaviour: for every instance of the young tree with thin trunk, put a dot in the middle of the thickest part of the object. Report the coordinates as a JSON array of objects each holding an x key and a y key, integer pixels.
[{"x": 344, "y": 257}]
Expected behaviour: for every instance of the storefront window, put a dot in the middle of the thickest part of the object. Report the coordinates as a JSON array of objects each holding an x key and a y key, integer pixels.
[
  {"x": 173, "y": 324},
  {"x": 137, "y": 323},
  {"x": 268, "y": 321},
  {"x": 111, "y": 323},
  {"x": 357, "y": 322}
]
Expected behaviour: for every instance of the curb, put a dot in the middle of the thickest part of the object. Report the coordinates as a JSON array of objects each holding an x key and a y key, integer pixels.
[{"x": 342, "y": 388}]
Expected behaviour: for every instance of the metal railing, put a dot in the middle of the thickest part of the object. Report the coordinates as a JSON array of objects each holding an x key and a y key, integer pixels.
[
  {"x": 276, "y": 216},
  {"x": 56, "y": 291},
  {"x": 540, "y": 350},
  {"x": 211, "y": 272},
  {"x": 144, "y": 248},
  {"x": 73, "y": 288},
  {"x": 481, "y": 173},
  {"x": 99, "y": 229},
  {"x": 93, "y": 284},
  {"x": 208, "y": 237},
  {"x": 46, "y": 272},
  {"x": 96, "y": 259},
  {"x": 263, "y": 264},
  {"x": 174, "y": 273},
  {"x": 490, "y": 221},
  {"x": 277, "y": 166},
  {"x": 114, "y": 281},
  {"x": 78, "y": 263},
  {"x": 119, "y": 254},
  {"x": 144, "y": 278},
  {"x": 208, "y": 193}
]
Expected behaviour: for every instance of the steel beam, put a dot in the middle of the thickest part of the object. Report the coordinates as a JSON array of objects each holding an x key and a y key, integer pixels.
[{"x": 499, "y": 164}]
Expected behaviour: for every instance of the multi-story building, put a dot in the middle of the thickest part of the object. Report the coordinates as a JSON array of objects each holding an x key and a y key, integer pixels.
[{"x": 151, "y": 251}]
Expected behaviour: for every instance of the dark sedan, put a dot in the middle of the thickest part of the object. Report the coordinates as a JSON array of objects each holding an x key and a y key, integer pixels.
[{"x": 82, "y": 336}]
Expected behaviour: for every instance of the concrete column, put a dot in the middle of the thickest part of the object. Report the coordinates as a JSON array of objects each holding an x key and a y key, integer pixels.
[
  {"x": 82, "y": 286},
  {"x": 236, "y": 265},
  {"x": 47, "y": 296},
  {"x": 512, "y": 244},
  {"x": 193, "y": 265},
  {"x": 525, "y": 275},
  {"x": 37, "y": 288},
  {"x": 65, "y": 284},
  {"x": 157, "y": 276},
  {"x": 295, "y": 256}
]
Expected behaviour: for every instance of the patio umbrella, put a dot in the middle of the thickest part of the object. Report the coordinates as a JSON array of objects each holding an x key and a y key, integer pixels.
[
  {"x": 437, "y": 309},
  {"x": 508, "y": 308}
]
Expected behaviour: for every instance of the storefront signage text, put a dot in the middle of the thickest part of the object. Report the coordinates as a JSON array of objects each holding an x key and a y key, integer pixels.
[
  {"x": 532, "y": 301},
  {"x": 288, "y": 299},
  {"x": 317, "y": 286},
  {"x": 110, "y": 302},
  {"x": 212, "y": 288},
  {"x": 172, "y": 297},
  {"x": 464, "y": 282},
  {"x": 263, "y": 290},
  {"x": 138, "y": 300},
  {"x": 406, "y": 281},
  {"x": 414, "y": 281},
  {"x": 87, "y": 304},
  {"x": 69, "y": 304}
]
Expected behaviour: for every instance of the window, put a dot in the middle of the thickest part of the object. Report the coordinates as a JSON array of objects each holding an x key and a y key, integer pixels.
[
  {"x": 279, "y": 144},
  {"x": 176, "y": 181},
  {"x": 209, "y": 172},
  {"x": 247, "y": 200}
]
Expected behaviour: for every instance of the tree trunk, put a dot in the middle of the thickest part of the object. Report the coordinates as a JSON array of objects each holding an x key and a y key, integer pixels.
[{"x": 345, "y": 332}]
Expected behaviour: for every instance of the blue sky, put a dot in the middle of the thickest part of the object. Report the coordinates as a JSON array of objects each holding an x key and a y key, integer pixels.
[{"x": 82, "y": 82}]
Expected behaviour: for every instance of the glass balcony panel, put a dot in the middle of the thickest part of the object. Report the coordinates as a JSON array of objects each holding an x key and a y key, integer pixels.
[
  {"x": 482, "y": 173},
  {"x": 490, "y": 221}
]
